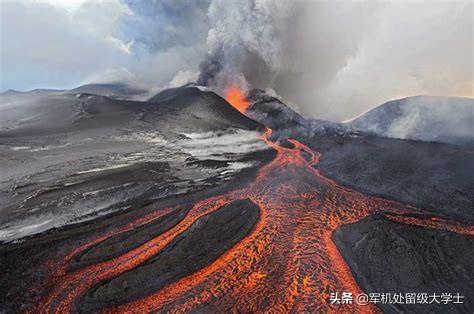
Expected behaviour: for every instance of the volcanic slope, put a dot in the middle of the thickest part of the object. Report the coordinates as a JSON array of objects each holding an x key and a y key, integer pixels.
[
  {"x": 286, "y": 122},
  {"x": 68, "y": 158}
]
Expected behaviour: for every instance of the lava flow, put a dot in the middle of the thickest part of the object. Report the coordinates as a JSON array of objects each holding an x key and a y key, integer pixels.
[{"x": 287, "y": 263}]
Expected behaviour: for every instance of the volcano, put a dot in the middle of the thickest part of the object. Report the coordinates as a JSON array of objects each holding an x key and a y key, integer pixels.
[{"x": 189, "y": 202}]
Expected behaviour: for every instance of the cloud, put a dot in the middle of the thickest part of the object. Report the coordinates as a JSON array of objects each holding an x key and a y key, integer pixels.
[
  {"x": 162, "y": 24},
  {"x": 45, "y": 45},
  {"x": 61, "y": 44}
]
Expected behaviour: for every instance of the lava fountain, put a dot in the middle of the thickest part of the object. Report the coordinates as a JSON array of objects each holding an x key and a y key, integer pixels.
[{"x": 236, "y": 97}]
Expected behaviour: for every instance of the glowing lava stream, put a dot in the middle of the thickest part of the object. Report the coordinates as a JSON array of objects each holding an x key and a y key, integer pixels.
[{"x": 288, "y": 263}]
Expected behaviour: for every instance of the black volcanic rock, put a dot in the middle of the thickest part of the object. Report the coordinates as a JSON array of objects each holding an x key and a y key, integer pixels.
[
  {"x": 386, "y": 256},
  {"x": 286, "y": 143},
  {"x": 208, "y": 238},
  {"x": 427, "y": 118},
  {"x": 123, "y": 242},
  {"x": 170, "y": 93},
  {"x": 272, "y": 112},
  {"x": 191, "y": 106},
  {"x": 286, "y": 122},
  {"x": 436, "y": 177}
]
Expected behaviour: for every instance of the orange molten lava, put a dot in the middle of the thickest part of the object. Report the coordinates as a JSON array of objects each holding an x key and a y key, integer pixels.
[
  {"x": 288, "y": 263},
  {"x": 236, "y": 97}
]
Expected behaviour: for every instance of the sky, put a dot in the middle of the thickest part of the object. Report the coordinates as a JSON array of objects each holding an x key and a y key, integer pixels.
[{"x": 327, "y": 59}]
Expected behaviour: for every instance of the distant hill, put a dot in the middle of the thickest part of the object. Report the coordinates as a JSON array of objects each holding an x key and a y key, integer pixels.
[
  {"x": 191, "y": 106},
  {"x": 33, "y": 91},
  {"x": 426, "y": 118},
  {"x": 114, "y": 90}
]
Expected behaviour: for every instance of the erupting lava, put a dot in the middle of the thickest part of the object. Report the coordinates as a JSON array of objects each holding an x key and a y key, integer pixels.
[
  {"x": 287, "y": 263},
  {"x": 236, "y": 97}
]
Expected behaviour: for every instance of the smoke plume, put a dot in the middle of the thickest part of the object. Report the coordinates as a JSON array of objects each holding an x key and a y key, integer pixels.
[{"x": 337, "y": 59}]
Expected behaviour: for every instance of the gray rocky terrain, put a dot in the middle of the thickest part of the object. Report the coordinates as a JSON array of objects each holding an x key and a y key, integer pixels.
[
  {"x": 436, "y": 177},
  {"x": 388, "y": 257}
]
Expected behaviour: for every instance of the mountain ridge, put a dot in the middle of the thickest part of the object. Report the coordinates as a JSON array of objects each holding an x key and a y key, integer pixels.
[{"x": 426, "y": 118}]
